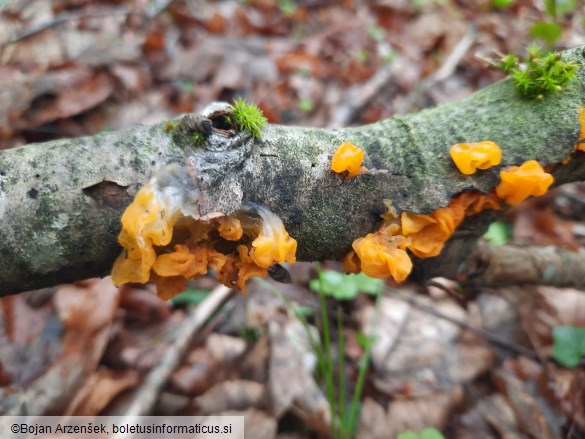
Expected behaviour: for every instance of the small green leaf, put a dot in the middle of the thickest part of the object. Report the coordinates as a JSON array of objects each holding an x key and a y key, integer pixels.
[
  {"x": 549, "y": 32},
  {"x": 334, "y": 284},
  {"x": 303, "y": 311},
  {"x": 363, "y": 340},
  {"x": 498, "y": 233},
  {"x": 287, "y": 7},
  {"x": 367, "y": 284},
  {"x": 306, "y": 105},
  {"x": 566, "y": 6},
  {"x": 568, "y": 345},
  {"x": 550, "y": 6},
  {"x": 346, "y": 286},
  {"x": 503, "y": 3},
  {"x": 408, "y": 435},
  {"x": 431, "y": 433},
  {"x": 376, "y": 33},
  {"x": 190, "y": 297},
  {"x": 362, "y": 56}
]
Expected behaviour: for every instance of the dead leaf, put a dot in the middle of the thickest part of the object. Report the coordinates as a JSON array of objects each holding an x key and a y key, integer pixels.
[
  {"x": 539, "y": 226},
  {"x": 87, "y": 310},
  {"x": 373, "y": 422},
  {"x": 224, "y": 348},
  {"x": 231, "y": 395},
  {"x": 198, "y": 374},
  {"x": 533, "y": 418},
  {"x": 99, "y": 390},
  {"x": 418, "y": 413},
  {"x": 258, "y": 424},
  {"x": 491, "y": 417},
  {"x": 418, "y": 353},
  {"x": 68, "y": 101},
  {"x": 546, "y": 307},
  {"x": 290, "y": 382}
]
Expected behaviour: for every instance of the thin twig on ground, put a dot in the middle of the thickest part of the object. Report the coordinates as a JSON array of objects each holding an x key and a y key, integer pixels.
[
  {"x": 145, "y": 398},
  {"x": 490, "y": 338}
]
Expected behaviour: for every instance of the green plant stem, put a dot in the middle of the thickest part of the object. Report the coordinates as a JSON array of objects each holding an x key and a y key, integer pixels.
[
  {"x": 359, "y": 386},
  {"x": 341, "y": 366},
  {"x": 328, "y": 377}
]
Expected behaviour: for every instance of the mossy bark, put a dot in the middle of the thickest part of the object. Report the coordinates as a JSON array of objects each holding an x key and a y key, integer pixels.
[{"x": 61, "y": 201}]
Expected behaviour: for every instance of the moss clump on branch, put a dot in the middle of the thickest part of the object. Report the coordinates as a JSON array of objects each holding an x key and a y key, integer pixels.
[
  {"x": 248, "y": 117},
  {"x": 539, "y": 74}
]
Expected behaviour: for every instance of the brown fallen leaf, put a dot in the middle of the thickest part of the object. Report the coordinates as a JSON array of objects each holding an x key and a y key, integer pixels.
[
  {"x": 290, "y": 383},
  {"x": 99, "y": 390},
  {"x": 87, "y": 310},
  {"x": 491, "y": 417},
  {"x": 373, "y": 422},
  {"x": 418, "y": 353},
  {"x": 231, "y": 395},
  {"x": 197, "y": 375},
  {"x": 427, "y": 411},
  {"x": 67, "y": 101},
  {"x": 258, "y": 424},
  {"x": 224, "y": 348},
  {"x": 534, "y": 416}
]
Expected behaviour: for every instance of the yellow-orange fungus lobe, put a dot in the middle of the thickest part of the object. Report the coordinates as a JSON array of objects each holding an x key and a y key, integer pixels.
[
  {"x": 383, "y": 254},
  {"x": 273, "y": 244},
  {"x": 182, "y": 262},
  {"x": 382, "y": 258},
  {"x": 427, "y": 234},
  {"x": 471, "y": 203},
  {"x": 520, "y": 182},
  {"x": 348, "y": 157},
  {"x": 230, "y": 228},
  {"x": 163, "y": 244},
  {"x": 581, "y": 143},
  {"x": 144, "y": 223},
  {"x": 351, "y": 263},
  {"x": 469, "y": 157}
]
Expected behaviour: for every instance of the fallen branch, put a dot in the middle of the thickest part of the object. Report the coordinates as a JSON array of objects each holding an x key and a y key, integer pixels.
[
  {"x": 492, "y": 266},
  {"x": 61, "y": 201}
]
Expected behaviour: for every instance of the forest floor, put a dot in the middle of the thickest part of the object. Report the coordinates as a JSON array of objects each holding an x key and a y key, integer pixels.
[{"x": 470, "y": 363}]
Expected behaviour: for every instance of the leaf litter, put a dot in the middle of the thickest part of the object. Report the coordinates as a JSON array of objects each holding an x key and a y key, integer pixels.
[{"x": 70, "y": 68}]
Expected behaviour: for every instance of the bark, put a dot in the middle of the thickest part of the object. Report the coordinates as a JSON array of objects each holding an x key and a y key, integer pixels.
[
  {"x": 61, "y": 201},
  {"x": 491, "y": 266}
]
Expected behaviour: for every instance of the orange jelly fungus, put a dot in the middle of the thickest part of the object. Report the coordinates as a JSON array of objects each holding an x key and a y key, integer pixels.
[
  {"x": 348, "y": 157},
  {"x": 469, "y": 157},
  {"x": 581, "y": 143},
  {"x": 383, "y": 254},
  {"x": 383, "y": 257},
  {"x": 427, "y": 234},
  {"x": 163, "y": 245},
  {"x": 520, "y": 182}
]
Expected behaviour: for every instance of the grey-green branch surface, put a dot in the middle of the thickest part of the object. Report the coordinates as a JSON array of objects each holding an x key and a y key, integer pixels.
[{"x": 61, "y": 201}]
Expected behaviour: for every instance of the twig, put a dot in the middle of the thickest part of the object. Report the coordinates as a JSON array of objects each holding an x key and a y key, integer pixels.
[
  {"x": 510, "y": 265},
  {"x": 443, "y": 72},
  {"x": 490, "y": 338},
  {"x": 145, "y": 398},
  {"x": 62, "y": 19},
  {"x": 359, "y": 96}
]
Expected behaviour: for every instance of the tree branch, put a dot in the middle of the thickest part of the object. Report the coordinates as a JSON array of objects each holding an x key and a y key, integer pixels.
[
  {"x": 491, "y": 266},
  {"x": 61, "y": 201}
]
